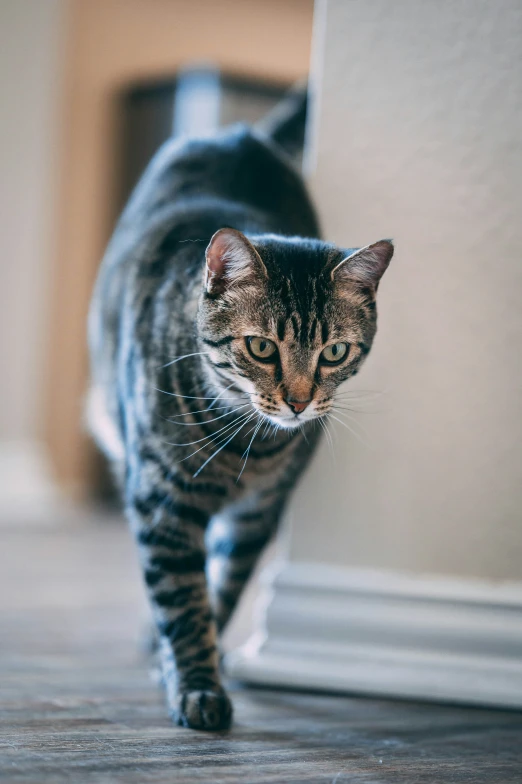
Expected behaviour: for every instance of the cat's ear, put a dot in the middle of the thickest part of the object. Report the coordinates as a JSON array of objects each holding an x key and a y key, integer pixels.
[
  {"x": 365, "y": 266},
  {"x": 231, "y": 258}
]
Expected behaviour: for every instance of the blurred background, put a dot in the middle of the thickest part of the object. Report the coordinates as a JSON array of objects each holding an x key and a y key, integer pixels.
[
  {"x": 89, "y": 91},
  {"x": 414, "y": 132}
]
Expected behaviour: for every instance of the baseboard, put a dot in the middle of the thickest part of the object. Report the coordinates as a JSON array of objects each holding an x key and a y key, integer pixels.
[{"x": 380, "y": 633}]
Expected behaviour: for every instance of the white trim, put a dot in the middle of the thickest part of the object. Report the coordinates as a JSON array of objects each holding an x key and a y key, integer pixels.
[{"x": 377, "y": 632}]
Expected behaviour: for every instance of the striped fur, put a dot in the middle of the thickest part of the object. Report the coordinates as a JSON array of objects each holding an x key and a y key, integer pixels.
[{"x": 201, "y": 439}]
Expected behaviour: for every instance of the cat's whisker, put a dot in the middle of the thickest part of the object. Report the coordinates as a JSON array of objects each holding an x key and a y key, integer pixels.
[
  {"x": 247, "y": 450},
  {"x": 194, "y": 397},
  {"x": 200, "y": 469},
  {"x": 212, "y": 436},
  {"x": 352, "y": 410},
  {"x": 358, "y": 391},
  {"x": 328, "y": 437},
  {"x": 352, "y": 419},
  {"x": 197, "y": 411},
  {"x": 353, "y": 432},
  {"x": 349, "y": 414},
  {"x": 218, "y": 440},
  {"x": 329, "y": 434},
  {"x": 218, "y": 397},
  {"x": 364, "y": 406},
  {"x": 185, "y": 356},
  {"x": 359, "y": 405},
  {"x": 211, "y": 406},
  {"x": 221, "y": 416},
  {"x": 354, "y": 394},
  {"x": 266, "y": 430}
]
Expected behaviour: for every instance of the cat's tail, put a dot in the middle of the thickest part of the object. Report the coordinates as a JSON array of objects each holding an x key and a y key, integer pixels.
[{"x": 286, "y": 123}]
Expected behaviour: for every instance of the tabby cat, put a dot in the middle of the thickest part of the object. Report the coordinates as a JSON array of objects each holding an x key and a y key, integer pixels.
[{"x": 220, "y": 329}]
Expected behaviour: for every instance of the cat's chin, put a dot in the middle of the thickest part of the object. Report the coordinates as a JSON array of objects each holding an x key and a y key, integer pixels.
[{"x": 288, "y": 423}]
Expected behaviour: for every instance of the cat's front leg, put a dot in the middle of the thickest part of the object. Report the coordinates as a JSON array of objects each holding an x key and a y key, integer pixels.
[
  {"x": 237, "y": 539},
  {"x": 170, "y": 536}
]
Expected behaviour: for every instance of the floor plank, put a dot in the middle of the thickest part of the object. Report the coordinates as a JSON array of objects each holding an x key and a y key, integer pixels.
[{"x": 77, "y": 703}]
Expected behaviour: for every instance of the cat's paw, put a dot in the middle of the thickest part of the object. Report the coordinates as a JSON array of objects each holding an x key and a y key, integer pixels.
[{"x": 203, "y": 710}]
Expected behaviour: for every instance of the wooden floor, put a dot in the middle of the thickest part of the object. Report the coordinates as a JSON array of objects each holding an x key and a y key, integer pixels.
[{"x": 77, "y": 704}]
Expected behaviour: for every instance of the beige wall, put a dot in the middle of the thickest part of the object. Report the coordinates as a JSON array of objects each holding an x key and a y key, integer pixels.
[
  {"x": 419, "y": 137},
  {"x": 30, "y": 39}
]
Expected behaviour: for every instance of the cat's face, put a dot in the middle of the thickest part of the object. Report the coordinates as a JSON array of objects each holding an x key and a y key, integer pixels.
[{"x": 285, "y": 321}]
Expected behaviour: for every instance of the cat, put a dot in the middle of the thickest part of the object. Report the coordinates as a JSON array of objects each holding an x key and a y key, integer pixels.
[{"x": 220, "y": 328}]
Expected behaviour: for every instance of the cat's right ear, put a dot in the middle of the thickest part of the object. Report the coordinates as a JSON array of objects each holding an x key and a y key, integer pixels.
[
  {"x": 231, "y": 258},
  {"x": 365, "y": 266}
]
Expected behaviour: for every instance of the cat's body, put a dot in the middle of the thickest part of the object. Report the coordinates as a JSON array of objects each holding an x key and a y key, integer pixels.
[{"x": 182, "y": 396}]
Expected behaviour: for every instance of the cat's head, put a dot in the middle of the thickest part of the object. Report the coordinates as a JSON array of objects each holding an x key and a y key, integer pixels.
[{"x": 286, "y": 320}]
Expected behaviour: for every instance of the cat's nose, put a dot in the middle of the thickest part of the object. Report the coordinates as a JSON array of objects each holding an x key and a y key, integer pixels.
[{"x": 297, "y": 406}]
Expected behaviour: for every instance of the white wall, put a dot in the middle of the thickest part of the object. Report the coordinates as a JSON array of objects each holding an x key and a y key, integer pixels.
[
  {"x": 30, "y": 50},
  {"x": 419, "y": 137}
]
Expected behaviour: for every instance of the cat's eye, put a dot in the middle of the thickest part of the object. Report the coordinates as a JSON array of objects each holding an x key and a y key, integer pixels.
[
  {"x": 262, "y": 348},
  {"x": 334, "y": 354}
]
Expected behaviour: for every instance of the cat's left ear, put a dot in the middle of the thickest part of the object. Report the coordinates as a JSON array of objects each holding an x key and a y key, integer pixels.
[
  {"x": 365, "y": 266},
  {"x": 231, "y": 258}
]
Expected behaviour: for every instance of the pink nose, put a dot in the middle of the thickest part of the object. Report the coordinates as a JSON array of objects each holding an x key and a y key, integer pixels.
[{"x": 297, "y": 406}]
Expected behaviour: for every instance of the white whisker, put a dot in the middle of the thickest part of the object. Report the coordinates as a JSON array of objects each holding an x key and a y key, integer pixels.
[
  {"x": 218, "y": 397},
  {"x": 185, "y": 356},
  {"x": 200, "y": 424},
  {"x": 193, "y": 397},
  {"x": 222, "y": 447},
  {"x": 218, "y": 440},
  {"x": 266, "y": 430},
  {"x": 357, "y": 395},
  {"x": 352, "y": 410},
  {"x": 247, "y": 450},
  {"x": 211, "y": 406},
  {"x": 351, "y": 419},
  {"x": 328, "y": 437},
  {"x": 353, "y": 432},
  {"x": 197, "y": 411},
  {"x": 212, "y": 436}
]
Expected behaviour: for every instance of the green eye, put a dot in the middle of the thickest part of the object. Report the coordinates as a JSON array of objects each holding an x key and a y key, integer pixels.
[
  {"x": 261, "y": 348},
  {"x": 334, "y": 354}
]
